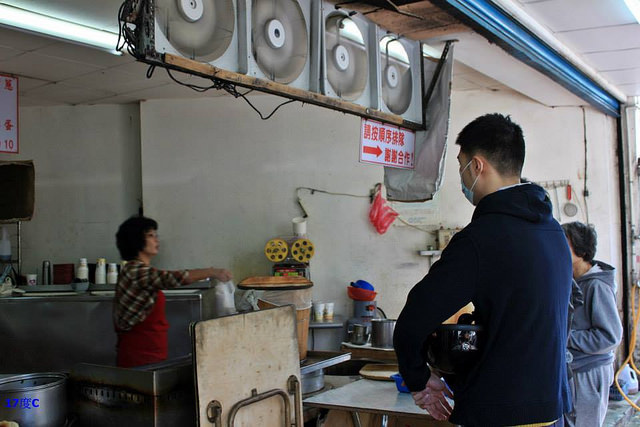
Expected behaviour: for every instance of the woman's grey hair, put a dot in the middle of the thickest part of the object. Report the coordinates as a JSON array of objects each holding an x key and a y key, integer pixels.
[{"x": 583, "y": 239}]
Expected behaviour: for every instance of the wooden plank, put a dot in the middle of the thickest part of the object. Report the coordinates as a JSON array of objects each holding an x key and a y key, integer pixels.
[
  {"x": 207, "y": 70},
  {"x": 274, "y": 282},
  {"x": 370, "y": 353},
  {"x": 235, "y": 355}
]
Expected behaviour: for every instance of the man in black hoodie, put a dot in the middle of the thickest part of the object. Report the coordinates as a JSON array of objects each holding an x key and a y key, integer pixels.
[{"x": 513, "y": 263}]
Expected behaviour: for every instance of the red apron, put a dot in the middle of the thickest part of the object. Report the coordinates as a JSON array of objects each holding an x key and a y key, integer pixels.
[{"x": 147, "y": 341}]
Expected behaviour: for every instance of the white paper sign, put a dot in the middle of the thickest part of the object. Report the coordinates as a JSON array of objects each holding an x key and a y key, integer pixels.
[
  {"x": 8, "y": 114},
  {"x": 386, "y": 145}
]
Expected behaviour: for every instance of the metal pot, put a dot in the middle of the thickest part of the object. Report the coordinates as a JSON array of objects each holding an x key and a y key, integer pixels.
[
  {"x": 37, "y": 400},
  {"x": 382, "y": 332}
]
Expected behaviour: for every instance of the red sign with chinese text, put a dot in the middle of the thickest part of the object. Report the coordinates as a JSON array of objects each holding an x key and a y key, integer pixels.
[
  {"x": 8, "y": 114},
  {"x": 386, "y": 145}
]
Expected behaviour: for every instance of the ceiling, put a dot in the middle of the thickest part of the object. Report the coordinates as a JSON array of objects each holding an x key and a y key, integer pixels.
[{"x": 602, "y": 34}]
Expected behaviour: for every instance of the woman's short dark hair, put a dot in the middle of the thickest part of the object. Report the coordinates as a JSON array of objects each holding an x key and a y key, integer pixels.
[
  {"x": 131, "y": 238},
  {"x": 498, "y": 138},
  {"x": 583, "y": 239}
]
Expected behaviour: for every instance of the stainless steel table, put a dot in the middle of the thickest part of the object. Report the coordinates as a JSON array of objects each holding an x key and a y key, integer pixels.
[{"x": 378, "y": 397}]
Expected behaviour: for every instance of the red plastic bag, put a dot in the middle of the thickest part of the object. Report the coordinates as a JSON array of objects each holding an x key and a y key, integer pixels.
[{"x": 381, "y": 215}]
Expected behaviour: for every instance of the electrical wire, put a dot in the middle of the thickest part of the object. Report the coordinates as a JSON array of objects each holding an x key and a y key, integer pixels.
[
  {"x": 369, "y": 196},
  {"x": 585, "y": 191},
  {"x": 127, "y": 37}
]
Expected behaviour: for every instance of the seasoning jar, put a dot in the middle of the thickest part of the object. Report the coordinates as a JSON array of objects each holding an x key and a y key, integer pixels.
[
  {"x": 82, "y": 273},
  {"x": 112, "y": 274},
  {"x": 101, "y": 271}
]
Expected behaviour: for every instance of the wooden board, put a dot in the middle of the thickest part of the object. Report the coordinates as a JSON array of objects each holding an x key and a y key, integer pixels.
[
  {"x": 235, "y": 355},
  {"x": 370, "y": 353},
  {"x": 378, "y": 371},
  {"x": 268, "y": 86},
  {"x": 275, "y": 283}
]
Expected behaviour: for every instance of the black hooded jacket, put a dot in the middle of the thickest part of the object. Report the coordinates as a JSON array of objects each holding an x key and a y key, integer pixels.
[{"x": 513, "y": 262}]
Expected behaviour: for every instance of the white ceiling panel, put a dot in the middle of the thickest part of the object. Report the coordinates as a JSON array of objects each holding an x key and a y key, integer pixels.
[
  {"x": 84, "y": 54},
  {"x": 602, "y": 39},
  {"x": 631, "y": 89},
  {"x": 65, "y": 94},
  {"x": 622, "y": 77},
  {"x": 44, "y": 67},
  {"x": 566, "y": 15},
  {"x": 7, "y": 53},
  {"x": 114, "y": 81},
  {"x": 26, "y": 84},
  {"x": 615, "y": 60},
  {"x": 101, "y": 14},
  {"x": 22, "y": 41}
]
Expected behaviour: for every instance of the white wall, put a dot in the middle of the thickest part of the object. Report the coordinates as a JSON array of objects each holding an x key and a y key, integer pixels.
[
  {"x": 87, "y": 168},
  {"x": 221, "y": 183}
]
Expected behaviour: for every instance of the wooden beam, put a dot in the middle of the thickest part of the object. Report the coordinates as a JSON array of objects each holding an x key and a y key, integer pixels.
[{"x": 208, "y": 71}]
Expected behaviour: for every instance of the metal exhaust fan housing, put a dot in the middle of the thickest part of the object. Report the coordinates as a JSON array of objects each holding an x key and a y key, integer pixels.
[{"x": 400, "y": 76}]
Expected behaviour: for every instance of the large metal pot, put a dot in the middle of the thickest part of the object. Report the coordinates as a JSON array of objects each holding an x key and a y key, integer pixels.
[
  {"x": 35, "y": 400},
  {"x": 382, "y": 332}
]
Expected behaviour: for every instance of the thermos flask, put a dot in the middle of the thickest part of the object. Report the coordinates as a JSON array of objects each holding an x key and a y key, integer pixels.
[{"x": 47, "y": 273}]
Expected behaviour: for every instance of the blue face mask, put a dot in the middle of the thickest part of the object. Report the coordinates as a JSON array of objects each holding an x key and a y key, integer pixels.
[{"x": 468, "y": 192}]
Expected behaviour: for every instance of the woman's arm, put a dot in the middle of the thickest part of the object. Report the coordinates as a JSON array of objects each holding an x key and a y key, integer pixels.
[{"x": 197, "y": 274}]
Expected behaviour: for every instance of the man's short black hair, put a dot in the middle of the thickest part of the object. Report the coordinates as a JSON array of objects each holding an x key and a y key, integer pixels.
[
  {"x": 583, "y": 239},
  {"x": 497, "y": 138},
  {"x": 130, "y": 237}
]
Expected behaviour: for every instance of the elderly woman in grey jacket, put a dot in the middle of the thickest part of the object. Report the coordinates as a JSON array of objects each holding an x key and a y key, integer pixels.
[{"x": 596, "y": 329}]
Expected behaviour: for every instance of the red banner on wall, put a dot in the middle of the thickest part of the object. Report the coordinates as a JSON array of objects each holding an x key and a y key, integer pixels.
[{"x": 8, "y": 114}]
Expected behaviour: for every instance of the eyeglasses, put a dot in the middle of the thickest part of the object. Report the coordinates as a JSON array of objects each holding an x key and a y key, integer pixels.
[{"x": 152, "y": 235}]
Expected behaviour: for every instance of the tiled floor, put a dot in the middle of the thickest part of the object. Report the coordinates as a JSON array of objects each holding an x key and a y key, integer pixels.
[{"x": 622, "y": 414}]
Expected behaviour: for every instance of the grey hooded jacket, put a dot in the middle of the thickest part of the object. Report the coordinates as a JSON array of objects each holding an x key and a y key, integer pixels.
[{"x": 596, "y": 329}]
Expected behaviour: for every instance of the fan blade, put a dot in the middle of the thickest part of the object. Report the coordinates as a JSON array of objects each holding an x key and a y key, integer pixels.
[
  {"x": 281, "y": 55},
  {"x": 204, "y": 33},
  {"x": 347, "y": 68},
  {"x": 396, "y": 94}
]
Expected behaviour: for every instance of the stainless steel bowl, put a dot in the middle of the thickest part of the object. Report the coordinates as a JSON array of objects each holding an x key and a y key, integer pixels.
[{"x": 35, "y": 400}]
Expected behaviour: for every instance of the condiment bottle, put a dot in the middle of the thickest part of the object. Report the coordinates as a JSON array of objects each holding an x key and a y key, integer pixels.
[
  {"x": 101, "y": 271},
  {"x": 82, "y": 273},
  {"x": 112, "y": 274}
]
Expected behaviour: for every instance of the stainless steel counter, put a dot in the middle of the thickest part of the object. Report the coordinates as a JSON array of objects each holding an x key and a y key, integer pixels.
[{"x": 55, "y": 331}]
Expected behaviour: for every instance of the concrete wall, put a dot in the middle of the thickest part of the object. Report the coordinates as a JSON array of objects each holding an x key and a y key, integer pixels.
[
  {"x": 87, "y": 167},
  {"x": 221, "y": 182}
]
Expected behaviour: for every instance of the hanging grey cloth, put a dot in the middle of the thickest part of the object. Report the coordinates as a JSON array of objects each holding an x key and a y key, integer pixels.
[{"x": 421, "y": 184}]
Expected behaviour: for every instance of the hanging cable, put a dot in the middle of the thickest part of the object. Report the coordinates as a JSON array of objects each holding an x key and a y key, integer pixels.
[
  {"x": 368, "y": 196},
  {"x": 585, "y": 191},
  {"x": 635, "y": 314}
]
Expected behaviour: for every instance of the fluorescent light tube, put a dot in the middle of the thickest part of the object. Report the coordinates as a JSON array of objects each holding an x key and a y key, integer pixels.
[
  {"x": 37, "y": 23},
  {"x": 634, "y": 7}
]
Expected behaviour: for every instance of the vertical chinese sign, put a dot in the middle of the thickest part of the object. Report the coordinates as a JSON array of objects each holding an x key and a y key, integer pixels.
[
  {"x": 387, "y": 145},
  {"x": 8, "y": 114}
]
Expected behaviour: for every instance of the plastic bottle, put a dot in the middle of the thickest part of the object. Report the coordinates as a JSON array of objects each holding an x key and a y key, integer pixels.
[
  {"x": 101, "y": 272},
  {"x": 5, "y": 246},
  {"x": 112, "y": 274},
  {"x": 82, "y": 273}
]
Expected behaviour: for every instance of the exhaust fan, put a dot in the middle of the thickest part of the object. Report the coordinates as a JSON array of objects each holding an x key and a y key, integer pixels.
[
  {"x": 202, "y": 30},
  {"x": 400, "y": 77},
  {"x": 346, "y": 57},
  {"x": 280, "y": 41}
]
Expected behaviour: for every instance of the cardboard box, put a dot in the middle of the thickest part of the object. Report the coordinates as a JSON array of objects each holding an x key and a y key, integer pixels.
[{"x": 17, "y": 197}]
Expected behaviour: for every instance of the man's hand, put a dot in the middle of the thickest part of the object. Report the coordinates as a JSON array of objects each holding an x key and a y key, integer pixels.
[
  {"x": 221, "y": 274},
  {"x": 432, "y": 398}
]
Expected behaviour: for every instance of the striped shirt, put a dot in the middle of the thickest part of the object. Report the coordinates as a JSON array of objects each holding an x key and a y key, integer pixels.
[{"x": 137, "y": 289}]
